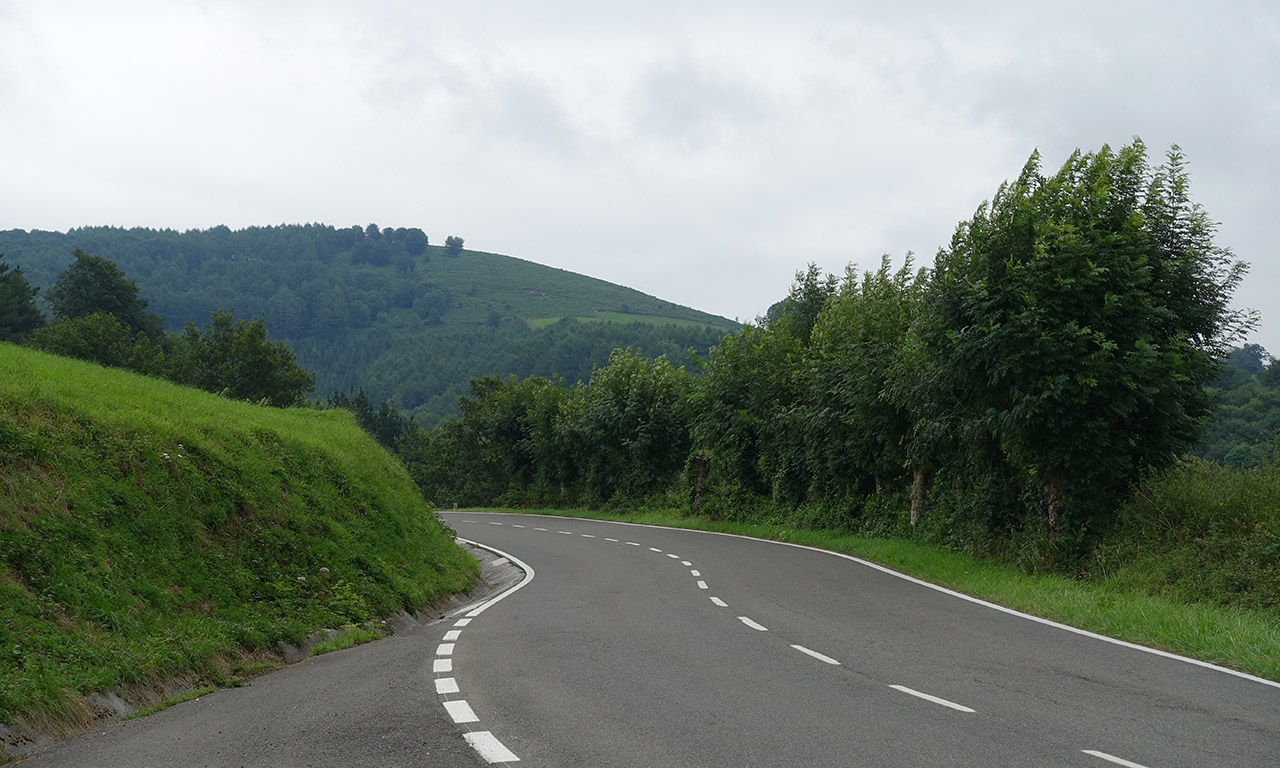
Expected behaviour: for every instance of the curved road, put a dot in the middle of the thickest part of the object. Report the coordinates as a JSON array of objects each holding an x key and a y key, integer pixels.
[{"x": 639, "y": 646}]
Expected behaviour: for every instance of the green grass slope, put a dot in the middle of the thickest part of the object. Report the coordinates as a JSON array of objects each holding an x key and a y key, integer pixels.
[{"x": 149, "y": 531}]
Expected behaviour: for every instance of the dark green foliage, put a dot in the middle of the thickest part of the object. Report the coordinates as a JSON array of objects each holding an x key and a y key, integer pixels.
[
  {"x": 236, "y": 359},
  {"x": 1245, "y": 431},
  {"x": 101, "y": 338},
  {"x": 19, "y": 315},
  {"x": 1081, "y": 316},
  {"x": 95, "y": 285},
  {"x": 453, "y": 245},
  {"x": 386, "y": 424}
]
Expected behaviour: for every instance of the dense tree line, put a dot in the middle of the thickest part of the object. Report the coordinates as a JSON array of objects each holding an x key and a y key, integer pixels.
[
  {"x": 1060, "y": 347},
  {"x": 374, "y": 308},
  {"x": 100, "y": 317}
]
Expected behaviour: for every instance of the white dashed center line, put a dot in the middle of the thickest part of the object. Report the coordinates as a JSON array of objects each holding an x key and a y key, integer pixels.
[
  {"x": 489, "y": 748},
  {"x": 753, "y": 624},
  {"x": 452, "y": 635},
  {"x": 654, "y": 549},
  {"x": 686, "y": 563},
  {"x": 461, "y": 622},
  {"x": 446, "y": 685},
  {"x": 444, "y": 649},
  {"x": 719, "y": 602},
  {"x": 442, "y": 665},
  {"x": 816, "y": 655},
  {"x": 695, "y": 573},
  {"x": 1112, "y": 758},
  {"x": 632, "y": 543},
  {"x": 613, "y": 540},
  {"x": 934, "y": 699},
  {"x": 539, "y": 529},
  {"x": 702, "y": 585},
  {"x": 461, "y": 711}
]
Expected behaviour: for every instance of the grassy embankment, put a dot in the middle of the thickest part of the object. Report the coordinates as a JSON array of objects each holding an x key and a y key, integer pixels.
[
  {"x": 1133, "y": 598},
  {"x": 150, "y": 532}
]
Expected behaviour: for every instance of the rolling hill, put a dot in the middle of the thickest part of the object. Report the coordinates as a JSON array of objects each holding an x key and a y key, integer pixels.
[{"x": 382, "y": 309}]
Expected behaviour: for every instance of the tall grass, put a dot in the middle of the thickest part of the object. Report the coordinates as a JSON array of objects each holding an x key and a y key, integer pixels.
[{"x": 149, "y": 530}]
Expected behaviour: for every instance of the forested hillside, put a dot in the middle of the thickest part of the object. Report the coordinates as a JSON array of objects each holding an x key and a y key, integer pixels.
[{"x": 381, "y": 309}]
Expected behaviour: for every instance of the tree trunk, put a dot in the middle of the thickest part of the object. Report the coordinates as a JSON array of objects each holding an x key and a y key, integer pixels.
[
  {"x": 1053, "y": 489},
  {"x": 918, "y": 487}
]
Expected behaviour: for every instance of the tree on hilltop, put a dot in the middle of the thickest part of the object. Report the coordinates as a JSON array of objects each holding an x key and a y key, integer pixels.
[{"x": 453, "y": 245}]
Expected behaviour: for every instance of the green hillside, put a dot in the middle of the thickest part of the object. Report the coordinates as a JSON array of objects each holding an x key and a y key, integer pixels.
[
  {"x": 149, "y": 531},
  {"x": 381, "y": 309}
]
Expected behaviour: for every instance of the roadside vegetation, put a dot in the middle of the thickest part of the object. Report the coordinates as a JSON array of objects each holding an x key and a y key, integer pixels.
[
  {"x": 150, "y": 531},
  {"x": 1036, "y": 399}
]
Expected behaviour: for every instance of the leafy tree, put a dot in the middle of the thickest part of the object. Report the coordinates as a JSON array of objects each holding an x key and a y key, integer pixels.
[
  {"x": 93, "y": 284},
  {"x": 235, "y": 358},
  {"x": 453, "y": 245},
  {"x": 1081, "y": 316},
  {"x": 386, "y": 424},
  {"x": 100, "y": 338},
  {"x": 19, "y": 315},
  {"x": 859, "y": 431}
]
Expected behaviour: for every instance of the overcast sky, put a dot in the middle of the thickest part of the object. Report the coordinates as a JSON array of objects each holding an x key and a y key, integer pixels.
[{"x": 699, "y": 151}]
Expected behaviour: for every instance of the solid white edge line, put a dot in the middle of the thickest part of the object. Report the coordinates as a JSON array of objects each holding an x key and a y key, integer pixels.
[
  {"x": 489, "y": 748},
  {"x": 961, "y": 595},
  {"x": 753, "y": 624},
  {"x": 528, "y": 577},
  {"x": 816, "y": 655},
  {"x": 934, "y": 699},
  {"x": 445, "y": 685},
  {"x": 1112, "y": 758},
  {"x": 461, "y": 711}
]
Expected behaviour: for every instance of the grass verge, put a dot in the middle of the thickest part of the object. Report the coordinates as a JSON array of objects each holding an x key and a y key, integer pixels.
[
  {"x": 1241, "y": 639},
  {"x": 172, "y": 701},
  {"x": 150, "y": 531}
]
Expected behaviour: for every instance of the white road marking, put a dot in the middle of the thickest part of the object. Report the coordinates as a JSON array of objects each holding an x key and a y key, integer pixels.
[
  {"x": 446, "y": 685},
  {"x": 461, "y": 622},
  {"x": 702, "y": 585},
  {"x": 1112, "y": 758},
  {"x": 528, "y": 577},
  {"x": 468, "y": 521},
  {"x": 489, "y": 748},
  {"x": 613, "y": 540},
  {"x": 719, "y": 602},
  {"x": 495, "y": 523},
  {"x": 695, "y": 573},
  {"x": 816, "y": 655},
  {"x": 632, "y": 543},
  {"x": 673, "y": 557},
  {"x": 461, "y": 711},
  {"x": 587, "y": 536},
  {"x": 452, "y": 635},
  {"x": 516, "y": 525},
  {"x": 444, "y": 649},
  {"x": 654, "y": 549},
  {"x": 686, "y": 563},
  {"x": 500, "y": 561},
  {"x": 934, "y": 699},
  {"x": 539, "y": 529},
  {"x": 752, "y": 624},
  {"x": 442, "y": 665},
  {"x": 567, "y": 533}
]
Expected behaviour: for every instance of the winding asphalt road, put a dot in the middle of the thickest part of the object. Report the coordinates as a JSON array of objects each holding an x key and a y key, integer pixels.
[
  {"x": 640, "y": 646},
  {"x": 634, "y": 646}
]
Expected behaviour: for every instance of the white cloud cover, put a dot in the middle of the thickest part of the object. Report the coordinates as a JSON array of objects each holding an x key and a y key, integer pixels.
[{"x": 703, "y": 152}]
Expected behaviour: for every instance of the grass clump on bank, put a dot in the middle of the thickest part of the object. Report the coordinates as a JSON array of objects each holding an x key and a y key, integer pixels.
[
  {"x": 1119, "y": 604},
  {"x": 149, "y": 531}
]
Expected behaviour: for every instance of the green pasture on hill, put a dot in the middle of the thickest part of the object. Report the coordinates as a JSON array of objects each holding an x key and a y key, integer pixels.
[
  {"x": 623, "y": 318},
  {"x": 149, "y": 531}
]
